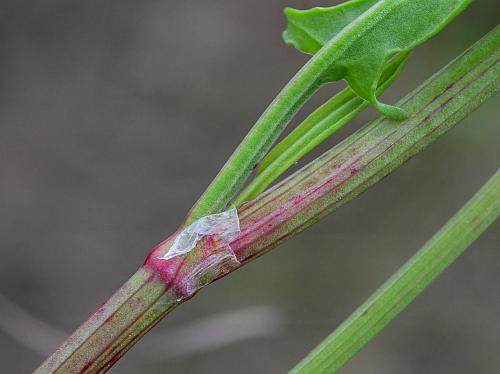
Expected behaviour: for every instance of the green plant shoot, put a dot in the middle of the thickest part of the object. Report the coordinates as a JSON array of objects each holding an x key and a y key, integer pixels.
[
  {"x": 356, "y": 53},
  {"x": 366, "y": 38}
]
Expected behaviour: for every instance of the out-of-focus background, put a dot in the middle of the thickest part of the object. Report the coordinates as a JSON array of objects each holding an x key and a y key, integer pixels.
[{"x": 114, "y": 117}]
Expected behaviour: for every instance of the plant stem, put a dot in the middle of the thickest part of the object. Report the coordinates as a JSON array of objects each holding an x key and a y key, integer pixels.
[
  {"x": 407, "y": 283},
  {"x": 318, "y": 126},
  {"x": 314, "y": 191},
  {"x": 259, "y": 139}
]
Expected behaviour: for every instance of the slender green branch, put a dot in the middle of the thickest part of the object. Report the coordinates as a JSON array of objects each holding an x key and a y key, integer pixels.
[
  {"x": 259, "y": 140},
  {"x": 276, "y": 215},
  {"x": 317, "y": 127},
  {"x": 407, "y": 283}
]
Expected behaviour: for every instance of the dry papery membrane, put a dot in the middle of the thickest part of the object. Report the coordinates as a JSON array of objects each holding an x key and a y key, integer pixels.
[{"x": 224, "y": 225}]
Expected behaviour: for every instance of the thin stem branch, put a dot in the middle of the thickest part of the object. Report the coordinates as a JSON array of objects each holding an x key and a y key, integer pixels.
[
  {"x": 407, "y": 283},
  {"x": 318, "y": 126}
]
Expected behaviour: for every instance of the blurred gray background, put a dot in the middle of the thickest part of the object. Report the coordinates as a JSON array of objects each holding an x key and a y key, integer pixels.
[{"x": 114, "y": 117}]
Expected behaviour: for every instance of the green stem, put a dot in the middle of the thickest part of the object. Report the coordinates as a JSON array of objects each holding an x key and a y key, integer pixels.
[
  {"x": 407, "y": 283},
  {"x": 259, "y": 139},
  {"x": 276, "y": 215},
  {"x": 318, "y": 126}
]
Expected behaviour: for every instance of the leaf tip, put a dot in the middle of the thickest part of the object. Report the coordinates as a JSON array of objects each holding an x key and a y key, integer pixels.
[{"x": 392, "y": 112}]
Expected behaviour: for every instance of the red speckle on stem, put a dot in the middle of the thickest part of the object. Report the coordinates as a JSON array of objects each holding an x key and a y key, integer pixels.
[
  {"x": 297, "y": 199},
  {"x": 210, "y": 241},
  {"x": 113, "y": 360},
  {"x": 86, "y": 366}
]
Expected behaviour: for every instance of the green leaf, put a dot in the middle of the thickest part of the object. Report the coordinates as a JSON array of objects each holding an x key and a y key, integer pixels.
[
  {"x": 309, "y": 30},
  {"x": 364, "y": 37}
]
